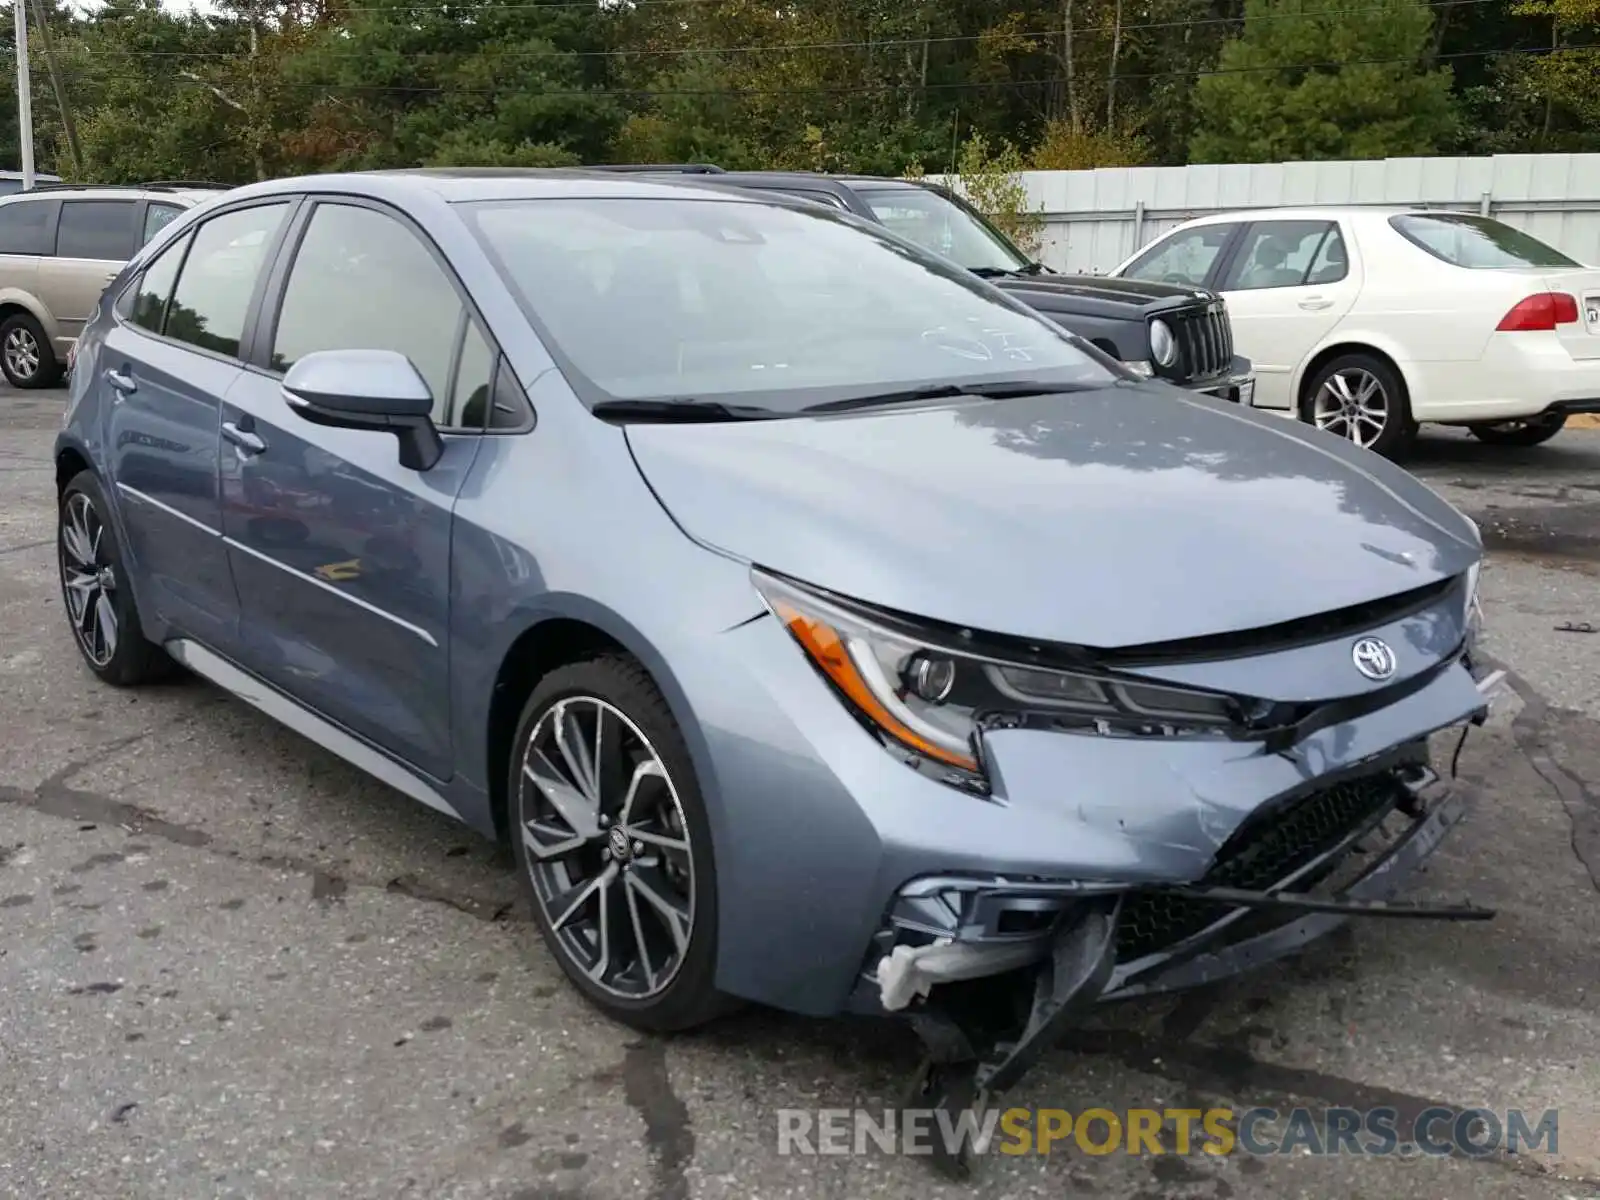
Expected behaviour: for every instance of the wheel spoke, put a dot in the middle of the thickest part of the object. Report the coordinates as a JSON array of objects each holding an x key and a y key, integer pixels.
[
  {"x": 570, "y": 904},
  {"x": 571, "y": 805},
  {"x": 677, "y": 845},
  {"x": 580, "y": 766},
  {"x": 638, "y": 937},
  {"x": 650, "y": 768},
  {"x": 1369, "y": 385},
  {"x": 558, "y": 846},
  {"x": 86, "y": 618},
  {"x": 676, "y": 919},
  {"x": 106, "y": 622}
]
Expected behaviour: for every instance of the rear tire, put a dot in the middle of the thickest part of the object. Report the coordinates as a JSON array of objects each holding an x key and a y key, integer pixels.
[
  {"x": 25, "y": 353},
  {"x": 1529, "y": 431},
  {"x": 613, "y": 845},
  {"x": 96, "y": 591},
  {"x": 1361, "y": 398}
]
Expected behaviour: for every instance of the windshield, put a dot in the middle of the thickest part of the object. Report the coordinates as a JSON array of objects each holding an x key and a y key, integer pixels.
[
  {"x": 943, "y": 226},
  {"x": 1478, "y": 243},
  {"x": 779, "y": 307}
]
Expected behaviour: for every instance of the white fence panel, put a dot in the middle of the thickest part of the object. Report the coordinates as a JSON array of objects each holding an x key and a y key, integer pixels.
[{"x": 1096, "y": 219}]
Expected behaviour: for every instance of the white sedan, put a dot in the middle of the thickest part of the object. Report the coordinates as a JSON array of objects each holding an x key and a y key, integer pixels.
[{"x": 1368, "y": 321}]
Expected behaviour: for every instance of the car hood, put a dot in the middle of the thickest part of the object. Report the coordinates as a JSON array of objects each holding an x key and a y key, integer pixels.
[
  {"x": 1099, "y": 294},
  {"x": 1122, "y": 516}
]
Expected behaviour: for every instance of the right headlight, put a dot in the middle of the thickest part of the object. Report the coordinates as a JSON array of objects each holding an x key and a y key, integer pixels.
[
  {"x": 1163, "y": 346},
  {"x": 922, "y": 693}
]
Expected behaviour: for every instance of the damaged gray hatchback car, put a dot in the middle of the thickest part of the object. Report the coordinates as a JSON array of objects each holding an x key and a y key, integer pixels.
[{"x": 820, "y": 626}]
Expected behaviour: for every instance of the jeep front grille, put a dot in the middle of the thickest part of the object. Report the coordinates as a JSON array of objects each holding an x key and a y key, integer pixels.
[{"x": 1205, "y": 341}]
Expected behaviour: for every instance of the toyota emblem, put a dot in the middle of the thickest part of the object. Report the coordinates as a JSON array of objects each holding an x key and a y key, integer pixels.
[{"x": 1374, "y": 658}]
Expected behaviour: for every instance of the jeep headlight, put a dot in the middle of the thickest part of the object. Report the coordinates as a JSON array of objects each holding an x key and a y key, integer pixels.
[
  {"x": 920, "y": 692},
  {"x": 1163, "y": 346}
]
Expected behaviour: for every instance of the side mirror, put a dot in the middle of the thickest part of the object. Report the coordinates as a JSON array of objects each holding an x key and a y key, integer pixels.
[{"x": 378, "y": 390}]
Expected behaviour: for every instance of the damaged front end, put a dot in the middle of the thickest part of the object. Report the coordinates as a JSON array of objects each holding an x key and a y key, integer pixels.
[{"x": 992, "y": 970}]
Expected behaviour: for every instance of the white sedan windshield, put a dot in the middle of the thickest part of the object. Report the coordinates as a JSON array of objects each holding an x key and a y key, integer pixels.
[{"x": 692, "y": 298}]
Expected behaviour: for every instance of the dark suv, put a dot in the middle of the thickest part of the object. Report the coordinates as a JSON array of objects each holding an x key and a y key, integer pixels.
[{"x": 1179, "y": 334}]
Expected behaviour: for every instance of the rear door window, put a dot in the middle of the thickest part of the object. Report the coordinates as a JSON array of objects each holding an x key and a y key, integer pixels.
[
  {"x": 1277, "y": 254},
  {"x": 26, "y": 226},
  {"x": 146, "y": 300},
  {"x": 218, "y": 281},
  {"x": 97, "y": 229}
]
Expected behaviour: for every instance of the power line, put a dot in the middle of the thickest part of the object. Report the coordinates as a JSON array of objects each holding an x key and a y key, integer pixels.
[
  {"x": 886, "y": 44},
  {"x": 861, "y": 89}
]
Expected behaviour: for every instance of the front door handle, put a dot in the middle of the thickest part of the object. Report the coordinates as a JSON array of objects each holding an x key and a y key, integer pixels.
[
  {"x": 1315, "y": 304},
  {"x": 121, "y": 382},
  {"x": 243, "y": 438}
]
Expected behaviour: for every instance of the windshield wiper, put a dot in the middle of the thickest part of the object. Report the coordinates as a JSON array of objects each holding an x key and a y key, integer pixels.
[
  {"x": 998, "y": 389},
  {"x": 993, "y": 272},
  {"x": 679, "y": 410}
]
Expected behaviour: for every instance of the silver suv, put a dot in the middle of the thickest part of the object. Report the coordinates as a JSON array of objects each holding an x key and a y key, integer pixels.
[{"x": 60, "y": 244}]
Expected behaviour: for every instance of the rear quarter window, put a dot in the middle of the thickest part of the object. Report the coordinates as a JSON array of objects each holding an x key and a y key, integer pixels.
[
  {"x": 26, "y": 227},
  {"x": 1476, "y": 243}
]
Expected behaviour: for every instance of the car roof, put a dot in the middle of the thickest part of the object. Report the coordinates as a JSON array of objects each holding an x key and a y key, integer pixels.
[
  {"x": 461, "y": 184},
  {"x": 1322, "y": 212},
  {"x": 193, "y": 195}
]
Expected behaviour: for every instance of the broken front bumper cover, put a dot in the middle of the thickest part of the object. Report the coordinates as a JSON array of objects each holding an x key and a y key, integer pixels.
[{"x": 1077, "y": 966}]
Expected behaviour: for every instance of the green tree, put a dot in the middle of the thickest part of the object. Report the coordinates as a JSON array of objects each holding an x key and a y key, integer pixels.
[{"x": 1304, "y": 81}]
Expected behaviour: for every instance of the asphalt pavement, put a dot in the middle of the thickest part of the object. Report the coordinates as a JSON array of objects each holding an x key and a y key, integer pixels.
[{"x": 232, "y": 966}]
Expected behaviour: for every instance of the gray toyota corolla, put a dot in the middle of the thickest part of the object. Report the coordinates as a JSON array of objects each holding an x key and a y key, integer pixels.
[{"x": 820, "y": 626}]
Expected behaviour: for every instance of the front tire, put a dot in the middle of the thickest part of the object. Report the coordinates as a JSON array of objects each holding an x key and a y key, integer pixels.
[
  {"x": 25, "y": 353},
  {"x": 1529, "y": 431},
  {"x": 1360, "y": 397},
  {"x": 613, "y": 845},
  {"x": 95, "y": 590}
]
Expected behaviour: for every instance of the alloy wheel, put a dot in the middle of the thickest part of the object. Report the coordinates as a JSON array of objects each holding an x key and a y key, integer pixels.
[
  {"x": 89, "y": 579},
  {"x": 608, "y": 849},
  {"x": 22, "y": 353},
  {"x": 1352, "y": 403}
]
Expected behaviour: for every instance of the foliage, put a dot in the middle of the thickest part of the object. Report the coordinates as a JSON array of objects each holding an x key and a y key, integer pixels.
[
  {"x": 1275, "y": 98},
  {"x": 252, "y": 88},
  {"x": 1063, "y": 148},
  {"x": 992, "y": 183}
]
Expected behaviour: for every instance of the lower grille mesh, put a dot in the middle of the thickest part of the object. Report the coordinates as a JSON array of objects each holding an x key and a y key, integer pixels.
[{"x": 1258, "y": 855}]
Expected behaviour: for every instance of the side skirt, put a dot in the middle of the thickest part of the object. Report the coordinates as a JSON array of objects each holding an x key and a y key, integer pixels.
[{"x": 306, "y": 723}]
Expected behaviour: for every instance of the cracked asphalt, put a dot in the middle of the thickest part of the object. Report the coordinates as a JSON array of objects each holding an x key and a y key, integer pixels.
[{"x": 230, "y": 966}]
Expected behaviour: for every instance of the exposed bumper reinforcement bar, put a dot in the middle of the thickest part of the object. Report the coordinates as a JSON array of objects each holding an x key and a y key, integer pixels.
[{"x": 1080, "y": 970}]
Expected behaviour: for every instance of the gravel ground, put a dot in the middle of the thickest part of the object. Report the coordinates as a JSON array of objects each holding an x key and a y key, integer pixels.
[{"x": 232, "y": 966}]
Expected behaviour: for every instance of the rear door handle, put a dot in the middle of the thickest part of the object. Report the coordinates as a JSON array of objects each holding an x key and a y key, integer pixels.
[
  {"x": 1315, "y": 303},
  {"x": 243, "y": 438},
  {"x": 121, "y": 382}
]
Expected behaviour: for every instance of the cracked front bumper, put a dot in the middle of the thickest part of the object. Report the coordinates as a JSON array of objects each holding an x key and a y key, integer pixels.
[
  {"x": 1076, "y": 966},
  {"x": 944, "y": 930}
]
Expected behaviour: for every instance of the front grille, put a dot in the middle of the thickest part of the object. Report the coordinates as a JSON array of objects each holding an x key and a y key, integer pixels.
[
  {"x": 1260, "y": 853},
  {"x": 1205, "y": 341}
]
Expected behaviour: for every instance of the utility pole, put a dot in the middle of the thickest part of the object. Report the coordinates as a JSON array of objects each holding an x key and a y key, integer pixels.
[
  {"x": 255, "y": 97},
  {"x": 68, "y": 125},
  {"x": 24, "y": 94}
]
